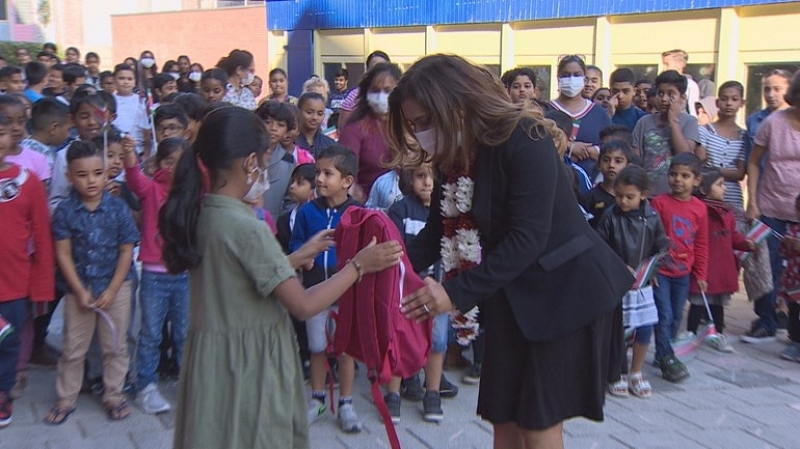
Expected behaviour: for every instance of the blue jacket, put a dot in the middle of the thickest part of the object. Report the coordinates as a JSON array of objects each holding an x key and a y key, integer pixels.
[{"x": 312, "y": 218}]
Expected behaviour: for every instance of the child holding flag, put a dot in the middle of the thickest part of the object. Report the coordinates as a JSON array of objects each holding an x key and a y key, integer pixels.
[{"x": 790, "y": 285}]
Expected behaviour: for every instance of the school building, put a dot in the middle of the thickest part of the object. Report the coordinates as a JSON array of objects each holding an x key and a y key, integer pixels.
[{"x": 725, "y": 39}]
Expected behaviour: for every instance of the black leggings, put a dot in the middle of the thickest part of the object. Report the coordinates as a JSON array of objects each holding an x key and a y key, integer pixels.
[
  {"x": 697, "y": 313},
  {"x": 793, "y": 325}
]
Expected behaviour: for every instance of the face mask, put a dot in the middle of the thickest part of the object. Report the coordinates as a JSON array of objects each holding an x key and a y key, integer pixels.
[
  {"x": 430, "y": 142},
  {"x": 379, "y": 102},
  {"x": 248, "y": 80},
  {"x": 148, "y": 62},
  {"x": 571, "y": 86},
  {"x": 258, "y": 187},
  {"x": 175, "y": 76},
  {"x": 195, "y": 77}
]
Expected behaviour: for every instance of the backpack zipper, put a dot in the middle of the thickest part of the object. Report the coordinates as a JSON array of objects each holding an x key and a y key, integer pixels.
[{"x": 328, "y": 226}]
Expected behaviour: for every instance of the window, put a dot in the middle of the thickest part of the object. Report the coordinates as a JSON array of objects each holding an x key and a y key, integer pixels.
[
  {"x": 3, "y": 12},
  {"x": 755, "y": 73},
  {"x": 703, "y": 75},
  {"x": 355, "y": 70},
  {"x": 642, "y": 71},
  {"x": 542, "y": 81}
]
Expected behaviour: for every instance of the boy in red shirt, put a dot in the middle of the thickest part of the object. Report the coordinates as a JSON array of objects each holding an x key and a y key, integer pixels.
[
  {"x": 26, "y": 255},
  {"x": 685, "y": 221}
]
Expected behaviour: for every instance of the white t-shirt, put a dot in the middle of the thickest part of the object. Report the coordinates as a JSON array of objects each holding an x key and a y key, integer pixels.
[{"x": 132, "y": 118}]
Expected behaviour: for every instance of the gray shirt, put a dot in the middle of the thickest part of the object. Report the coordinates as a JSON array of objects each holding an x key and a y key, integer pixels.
[
  {"x": 279, "y": 172},
  {"x": 654, "y": 141}
]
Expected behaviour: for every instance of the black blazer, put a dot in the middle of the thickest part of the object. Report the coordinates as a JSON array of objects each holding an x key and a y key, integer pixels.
[{"x": 538, "y": 250}]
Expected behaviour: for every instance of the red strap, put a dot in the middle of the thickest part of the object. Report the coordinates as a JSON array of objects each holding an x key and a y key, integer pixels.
[
  {"x": 377, "y": 397},
  {"x": 332, "y": 317}
]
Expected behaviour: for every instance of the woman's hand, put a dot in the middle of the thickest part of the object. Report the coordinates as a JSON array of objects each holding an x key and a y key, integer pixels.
[
  {"x": 752, "y": 212},
  {"x": 305, "y": 255},
  {"x": 376, "y": 258},
  {"x": 427, "y": 302}
]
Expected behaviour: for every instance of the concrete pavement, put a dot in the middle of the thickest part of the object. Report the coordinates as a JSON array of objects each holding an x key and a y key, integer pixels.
[{"x": 746, "y": 400}]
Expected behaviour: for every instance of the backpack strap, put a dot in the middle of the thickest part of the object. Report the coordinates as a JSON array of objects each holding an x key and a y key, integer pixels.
[
  {"x": 331, "y": 322},
  {"x": 391, "y": 432}
]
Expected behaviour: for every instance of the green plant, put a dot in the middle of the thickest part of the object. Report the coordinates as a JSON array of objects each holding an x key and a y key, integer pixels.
[{"x": 8, "y": 50}]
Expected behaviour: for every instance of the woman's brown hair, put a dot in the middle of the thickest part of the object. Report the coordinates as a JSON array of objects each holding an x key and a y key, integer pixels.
[{"x": 460, "y": 97}]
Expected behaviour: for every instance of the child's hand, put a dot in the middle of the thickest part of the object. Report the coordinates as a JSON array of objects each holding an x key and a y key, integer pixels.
[
  {"x": 703, "y": 285},
  {"x": 128, "y": 144},
  {"x": 375, "y": 258},
  {"x": 675, "y": 109},
  {"x": 612, "y": 104},
  {"x": 105, "y": 299},
  {"x": 751, "y": 245},
  {"x": 85, "y": 298},
  {"x": 580, "y": 151},
  {"x": 113, "y": 187}
]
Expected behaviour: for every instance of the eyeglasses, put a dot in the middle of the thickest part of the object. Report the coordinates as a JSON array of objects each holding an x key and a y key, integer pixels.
[{"x": 170, "y": 128}]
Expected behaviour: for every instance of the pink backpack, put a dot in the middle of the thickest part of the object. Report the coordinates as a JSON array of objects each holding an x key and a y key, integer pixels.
[{"x": 369, "y": 326}]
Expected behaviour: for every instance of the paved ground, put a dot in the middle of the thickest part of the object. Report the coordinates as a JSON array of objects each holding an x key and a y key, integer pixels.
[{"x": 746, "y": 400}]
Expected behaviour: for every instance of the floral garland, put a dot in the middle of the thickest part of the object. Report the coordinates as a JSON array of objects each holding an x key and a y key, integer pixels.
[{"x": 460, "y": 245}]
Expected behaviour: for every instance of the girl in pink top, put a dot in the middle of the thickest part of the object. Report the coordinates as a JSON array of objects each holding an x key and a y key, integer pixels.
[
  {"x": 772, "y": 193},
  {"x": 162, "y": 295}
]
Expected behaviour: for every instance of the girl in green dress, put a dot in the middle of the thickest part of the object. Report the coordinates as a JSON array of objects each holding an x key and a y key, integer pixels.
[{"x": 241, "y": 385}]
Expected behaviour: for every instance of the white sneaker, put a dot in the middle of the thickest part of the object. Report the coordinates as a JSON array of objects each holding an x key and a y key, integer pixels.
[
  {"x": 150, "y": 400},
  {"x": 720, "y": 343},
  {"x": 316, "y": 410},
  {"x": 348, "y": 419}
]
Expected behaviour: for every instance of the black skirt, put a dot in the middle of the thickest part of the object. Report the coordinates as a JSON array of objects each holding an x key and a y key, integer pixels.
[{"x": 538, "y": 385}]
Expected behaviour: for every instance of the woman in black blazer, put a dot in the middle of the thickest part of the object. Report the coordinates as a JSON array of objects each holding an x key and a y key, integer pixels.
[{"x": 546, "y": 284}]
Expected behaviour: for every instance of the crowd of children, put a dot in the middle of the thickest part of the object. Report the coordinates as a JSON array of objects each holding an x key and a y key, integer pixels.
[{"x": 87, "y": 168}]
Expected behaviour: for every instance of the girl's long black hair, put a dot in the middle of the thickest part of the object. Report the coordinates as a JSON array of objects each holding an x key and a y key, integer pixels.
[{"x": 226, "y": 134}]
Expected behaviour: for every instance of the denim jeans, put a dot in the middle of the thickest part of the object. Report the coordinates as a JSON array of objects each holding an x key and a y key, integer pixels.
[
  {"x": 764, "y": 307},
  {"x": 441, "y": 326},
  {"x": 15, "y": 313},
  {"x": 670, "y": 296},
  {"x": 162, "y": 296}
]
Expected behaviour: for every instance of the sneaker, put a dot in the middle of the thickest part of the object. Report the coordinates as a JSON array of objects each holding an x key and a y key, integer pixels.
[
  {"x": 392, "y": 401},
  {"x": 673, "y": 369},
  {"x": 473, "y": 375},
  {"x": 782, "y": 319},
  {"x": 348, "y": 419},
  {"x": 447, "y": 389},
  {"x": 758, "y": 335},
  {"x": 316, "y": 410},
  {"x": 45, "y": 356},
  {"x": 684, "y": 336},
  {"x": 150, "y": 400},
  {"x": 720, "y": 343},
  {"x": 5, "y": 410},
  {"x": 411, "y": 389},
  {"x": 432, "y": 407},
  {"x": 792, "y": 352}
]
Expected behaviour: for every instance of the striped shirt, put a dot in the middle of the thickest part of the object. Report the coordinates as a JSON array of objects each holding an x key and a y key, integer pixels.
[{"x": 724, "y": 154}]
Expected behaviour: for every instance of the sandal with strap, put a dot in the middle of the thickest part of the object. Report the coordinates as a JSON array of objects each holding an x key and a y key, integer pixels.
[
  {"x": 639, "y": 387},
  {"x": 118, "y": 412},
  {"x": 57, "y": 415},
  {"x": 619, "y": 388}
]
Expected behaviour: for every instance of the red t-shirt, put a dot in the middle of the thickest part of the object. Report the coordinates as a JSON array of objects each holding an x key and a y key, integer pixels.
[{"x": 686, "y": 225}]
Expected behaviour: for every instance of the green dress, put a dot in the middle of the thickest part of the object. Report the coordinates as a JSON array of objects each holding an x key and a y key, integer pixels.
[{"x": 241, "y": 385}]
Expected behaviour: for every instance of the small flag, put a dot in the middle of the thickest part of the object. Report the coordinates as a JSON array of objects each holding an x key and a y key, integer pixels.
[
  {"x": 793, "y": 295},
  {"x": 331, "y": 132},
  {"x": 758, "y": 232},
  {"x": 644, "y": 272},
  {"x": 5, "y": 328}
]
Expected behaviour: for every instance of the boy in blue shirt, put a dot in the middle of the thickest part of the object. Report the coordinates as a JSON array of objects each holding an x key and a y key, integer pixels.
[
  {"x": 624, "y": 113},
  {"x": 336, "y": 170},
  {"x": 94, "y": 236}
]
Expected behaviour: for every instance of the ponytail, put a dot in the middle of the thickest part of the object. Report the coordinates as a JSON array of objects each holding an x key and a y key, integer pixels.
[{"x": 177, "y": 220}]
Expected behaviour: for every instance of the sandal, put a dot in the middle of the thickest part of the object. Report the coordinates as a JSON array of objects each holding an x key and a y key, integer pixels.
[
  {"x": 619, "y": 388},
  {"x": 58, "y": 415},
  {"x": 639, "y": 387},
  {"x": 118, "y": 412}
]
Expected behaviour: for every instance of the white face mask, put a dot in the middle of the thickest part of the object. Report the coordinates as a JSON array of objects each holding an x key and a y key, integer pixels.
[
  {"x": 258, "y": 187},
  {"x": 175, "y": 76},
  {"x": 430, "y": 141},
  {"x": 148, "y": 62},
  {"x": 571, "y": 86},
  {"x": 195, "y": 77},
  {"x": 248, "y": 79},
  {"x": 379, "y": 102}
]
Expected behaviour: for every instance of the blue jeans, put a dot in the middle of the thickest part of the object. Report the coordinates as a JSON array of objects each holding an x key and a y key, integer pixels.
[
  {"x": 764, "y": 306},
  {"x": 670, "y": 296},
  {"x": 14, "y": 312},
  {"x": 161, "y": 296},
  {"x": 441, "y": 326}
]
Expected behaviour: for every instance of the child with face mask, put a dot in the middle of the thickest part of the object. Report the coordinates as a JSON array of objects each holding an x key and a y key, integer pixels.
[{"x": 363, "y": 132}]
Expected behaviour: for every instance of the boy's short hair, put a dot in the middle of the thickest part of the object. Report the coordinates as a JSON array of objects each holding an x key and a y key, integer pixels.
[
  {"x": 280, "y": 112},
  {"x": 688, "y": 160},
  {"x": 8, "y": 71},
  {"x": 343, "y": 159},
  {"x": 58, "y": 68},
  {"x": 643, "y": 81},
  {"x": 72, "y": 72},
  {"x": 91, "y": 54},
  {"x": 123, "y": 68},
  {"x": 87, "y": 97},
  {"x": 619, "y": 132},
  {"x": 617, "y": 145},
  {"x": 161, "y": 80},
  {"x": 170, "y": 111},
  {"x": 109, "y": 100},
  {"x": 192, "y": 105},
  {"x": 113, "y": 136},
  {"x": 342, "y": 73},
  {"x": 304, "y": 172},
  {"x": 44, "y": 54},
  {"x": 35, "y": 72},
  {"x": 47, "y": 111},
  {"x": 651, "y": 93},
  {"x": 106, "y": 74},
  {"x": 510, "y": 75},
  {"x": 562, "y": 120},
  {"x": 82, "y": 149},
  {"x": 673, "y": 78},
  {"x": 623, "y": 75}
]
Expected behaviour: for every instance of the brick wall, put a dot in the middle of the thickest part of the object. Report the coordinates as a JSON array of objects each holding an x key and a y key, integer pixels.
[{"x": 204, "y": 35}]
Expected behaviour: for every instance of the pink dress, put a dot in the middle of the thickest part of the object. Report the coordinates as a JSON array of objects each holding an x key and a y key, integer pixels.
[{"x": 779, "y": 185}]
